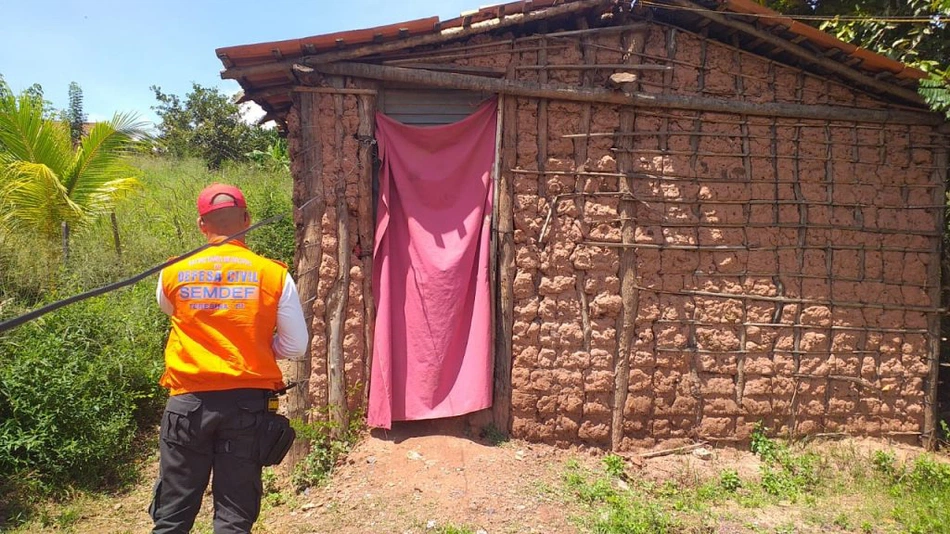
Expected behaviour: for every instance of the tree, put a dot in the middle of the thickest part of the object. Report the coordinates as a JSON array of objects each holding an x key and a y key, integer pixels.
[
  {"x": 74, "y": 114},
  {"x": 883, "y": 26},
  {"x": 45, "y": 181},
  {"x": 35, "y": 94},
  {"x": 207, "y": 124}
]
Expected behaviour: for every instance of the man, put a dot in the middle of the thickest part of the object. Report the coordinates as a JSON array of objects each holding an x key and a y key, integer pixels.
[{"x": 233, "y": 313}]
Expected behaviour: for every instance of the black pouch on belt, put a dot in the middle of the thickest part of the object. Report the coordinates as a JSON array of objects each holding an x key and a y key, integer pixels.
[
  {"x": 275, "y": 434},
  {"x": 275, "y": 438}
]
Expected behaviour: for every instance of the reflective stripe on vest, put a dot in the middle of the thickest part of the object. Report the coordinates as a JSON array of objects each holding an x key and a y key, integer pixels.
[{"x": 225, "y": 301}]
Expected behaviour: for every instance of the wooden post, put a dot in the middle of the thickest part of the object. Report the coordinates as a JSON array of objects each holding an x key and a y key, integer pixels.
[
  {"x": 505, "y": 224},
  {"x": 65, "y": 231},
  {"x": 630, "y": 297},
  {"x": 542, "y": 114},
  {"x": 580, "y": 160},
  {"x": 308, "y": 217},
  {"x": 934, "y": 279},
  {"x": 799, "y": 257},
  {"x": 115, "y": 235},
  {"x": 338, "y": 297},
  {"x": 366, "y": 222}
]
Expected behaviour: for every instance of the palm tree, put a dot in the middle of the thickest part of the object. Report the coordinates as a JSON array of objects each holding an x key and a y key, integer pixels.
[{"x": 45, "y": 182}]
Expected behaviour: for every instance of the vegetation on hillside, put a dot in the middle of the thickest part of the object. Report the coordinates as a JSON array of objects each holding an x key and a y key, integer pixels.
[{"x": 78, "y": 387}]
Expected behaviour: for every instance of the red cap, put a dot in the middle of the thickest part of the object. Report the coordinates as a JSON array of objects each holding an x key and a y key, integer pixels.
[{"x": 207, "y": 196}]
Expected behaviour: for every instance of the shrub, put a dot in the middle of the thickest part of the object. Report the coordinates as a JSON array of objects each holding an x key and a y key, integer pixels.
[
  {"x": 75, "y": 386},
  {"x": 885, "y": 462},
  {"x": 325, "y": 451},
  {"x": 784, "y": 473},
  {"x": 760, "y": 444},
  {"x": 276, "y": 240}
]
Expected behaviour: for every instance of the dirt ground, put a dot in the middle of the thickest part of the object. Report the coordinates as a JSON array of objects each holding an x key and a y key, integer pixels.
[{"x": 429, "y": 477}]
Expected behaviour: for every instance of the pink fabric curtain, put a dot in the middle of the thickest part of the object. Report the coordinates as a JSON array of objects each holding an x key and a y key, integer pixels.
[{"x": 432, "y": 348}]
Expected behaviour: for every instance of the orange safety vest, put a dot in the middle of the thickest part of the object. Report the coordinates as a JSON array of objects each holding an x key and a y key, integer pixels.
[{"x": 225, "y": 301}]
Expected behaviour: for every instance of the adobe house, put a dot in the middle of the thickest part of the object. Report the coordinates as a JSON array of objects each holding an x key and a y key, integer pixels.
[{"x": 706, "y": 215}]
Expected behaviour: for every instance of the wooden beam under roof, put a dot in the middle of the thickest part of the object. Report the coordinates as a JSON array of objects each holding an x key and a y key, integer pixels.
[
  {"x": 264, "y": 93},
  {"x": 449, "y": 80}
]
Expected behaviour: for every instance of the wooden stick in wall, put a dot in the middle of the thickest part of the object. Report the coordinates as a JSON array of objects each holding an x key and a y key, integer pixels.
[
  {"x": 629, "y": 294},
  {"x": 501, "y": 403},
  {"x": 366, "y": 222},
  {"x": 934, "y": 275},
  {"x": 308, "y": 194},
  {"x": 338, "y": 297}
]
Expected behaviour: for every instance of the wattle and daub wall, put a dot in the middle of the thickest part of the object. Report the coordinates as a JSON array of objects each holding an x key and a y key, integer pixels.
[{"x": 675, "y": 274}]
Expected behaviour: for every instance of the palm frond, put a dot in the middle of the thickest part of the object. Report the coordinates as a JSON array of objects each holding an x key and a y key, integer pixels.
[
  {"x": 36, "y": 200},
  {"x": 98, "y": 159},
  {"x": 26, "y": 136},
  {"x": 45, "y": 182},
  {"x": 105, "y": 199}
]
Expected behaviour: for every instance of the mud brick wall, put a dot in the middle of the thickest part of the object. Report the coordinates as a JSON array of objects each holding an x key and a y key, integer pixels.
[
  {"x": 785, "y": 270},
  {"x": 676, "y": 274}
]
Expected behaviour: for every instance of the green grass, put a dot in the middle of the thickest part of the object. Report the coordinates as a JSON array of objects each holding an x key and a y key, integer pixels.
[
  {"x": 612, "y": 508},
  {"x": 453, "y": 529},
  {"x": 826, "y": 488}
]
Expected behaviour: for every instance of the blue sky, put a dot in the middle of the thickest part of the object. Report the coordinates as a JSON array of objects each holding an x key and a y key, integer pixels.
[{"x": 116, "y": 49}]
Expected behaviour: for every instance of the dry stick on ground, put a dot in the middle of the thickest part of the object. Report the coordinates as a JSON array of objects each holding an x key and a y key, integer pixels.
[{"x": 668, "y": 452}]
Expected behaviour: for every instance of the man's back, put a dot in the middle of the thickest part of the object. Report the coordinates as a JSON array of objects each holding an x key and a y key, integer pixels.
[{"x": 224, "y": 312}]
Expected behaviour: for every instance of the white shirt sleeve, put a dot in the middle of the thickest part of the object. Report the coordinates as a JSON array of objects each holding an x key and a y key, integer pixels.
[
  {"x": 290, "y": 341},
  {"x": 163, "y": 301}
]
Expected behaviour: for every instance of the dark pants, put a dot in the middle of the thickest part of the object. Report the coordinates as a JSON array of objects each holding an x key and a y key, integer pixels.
[{"x": 205, "y": 432}]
